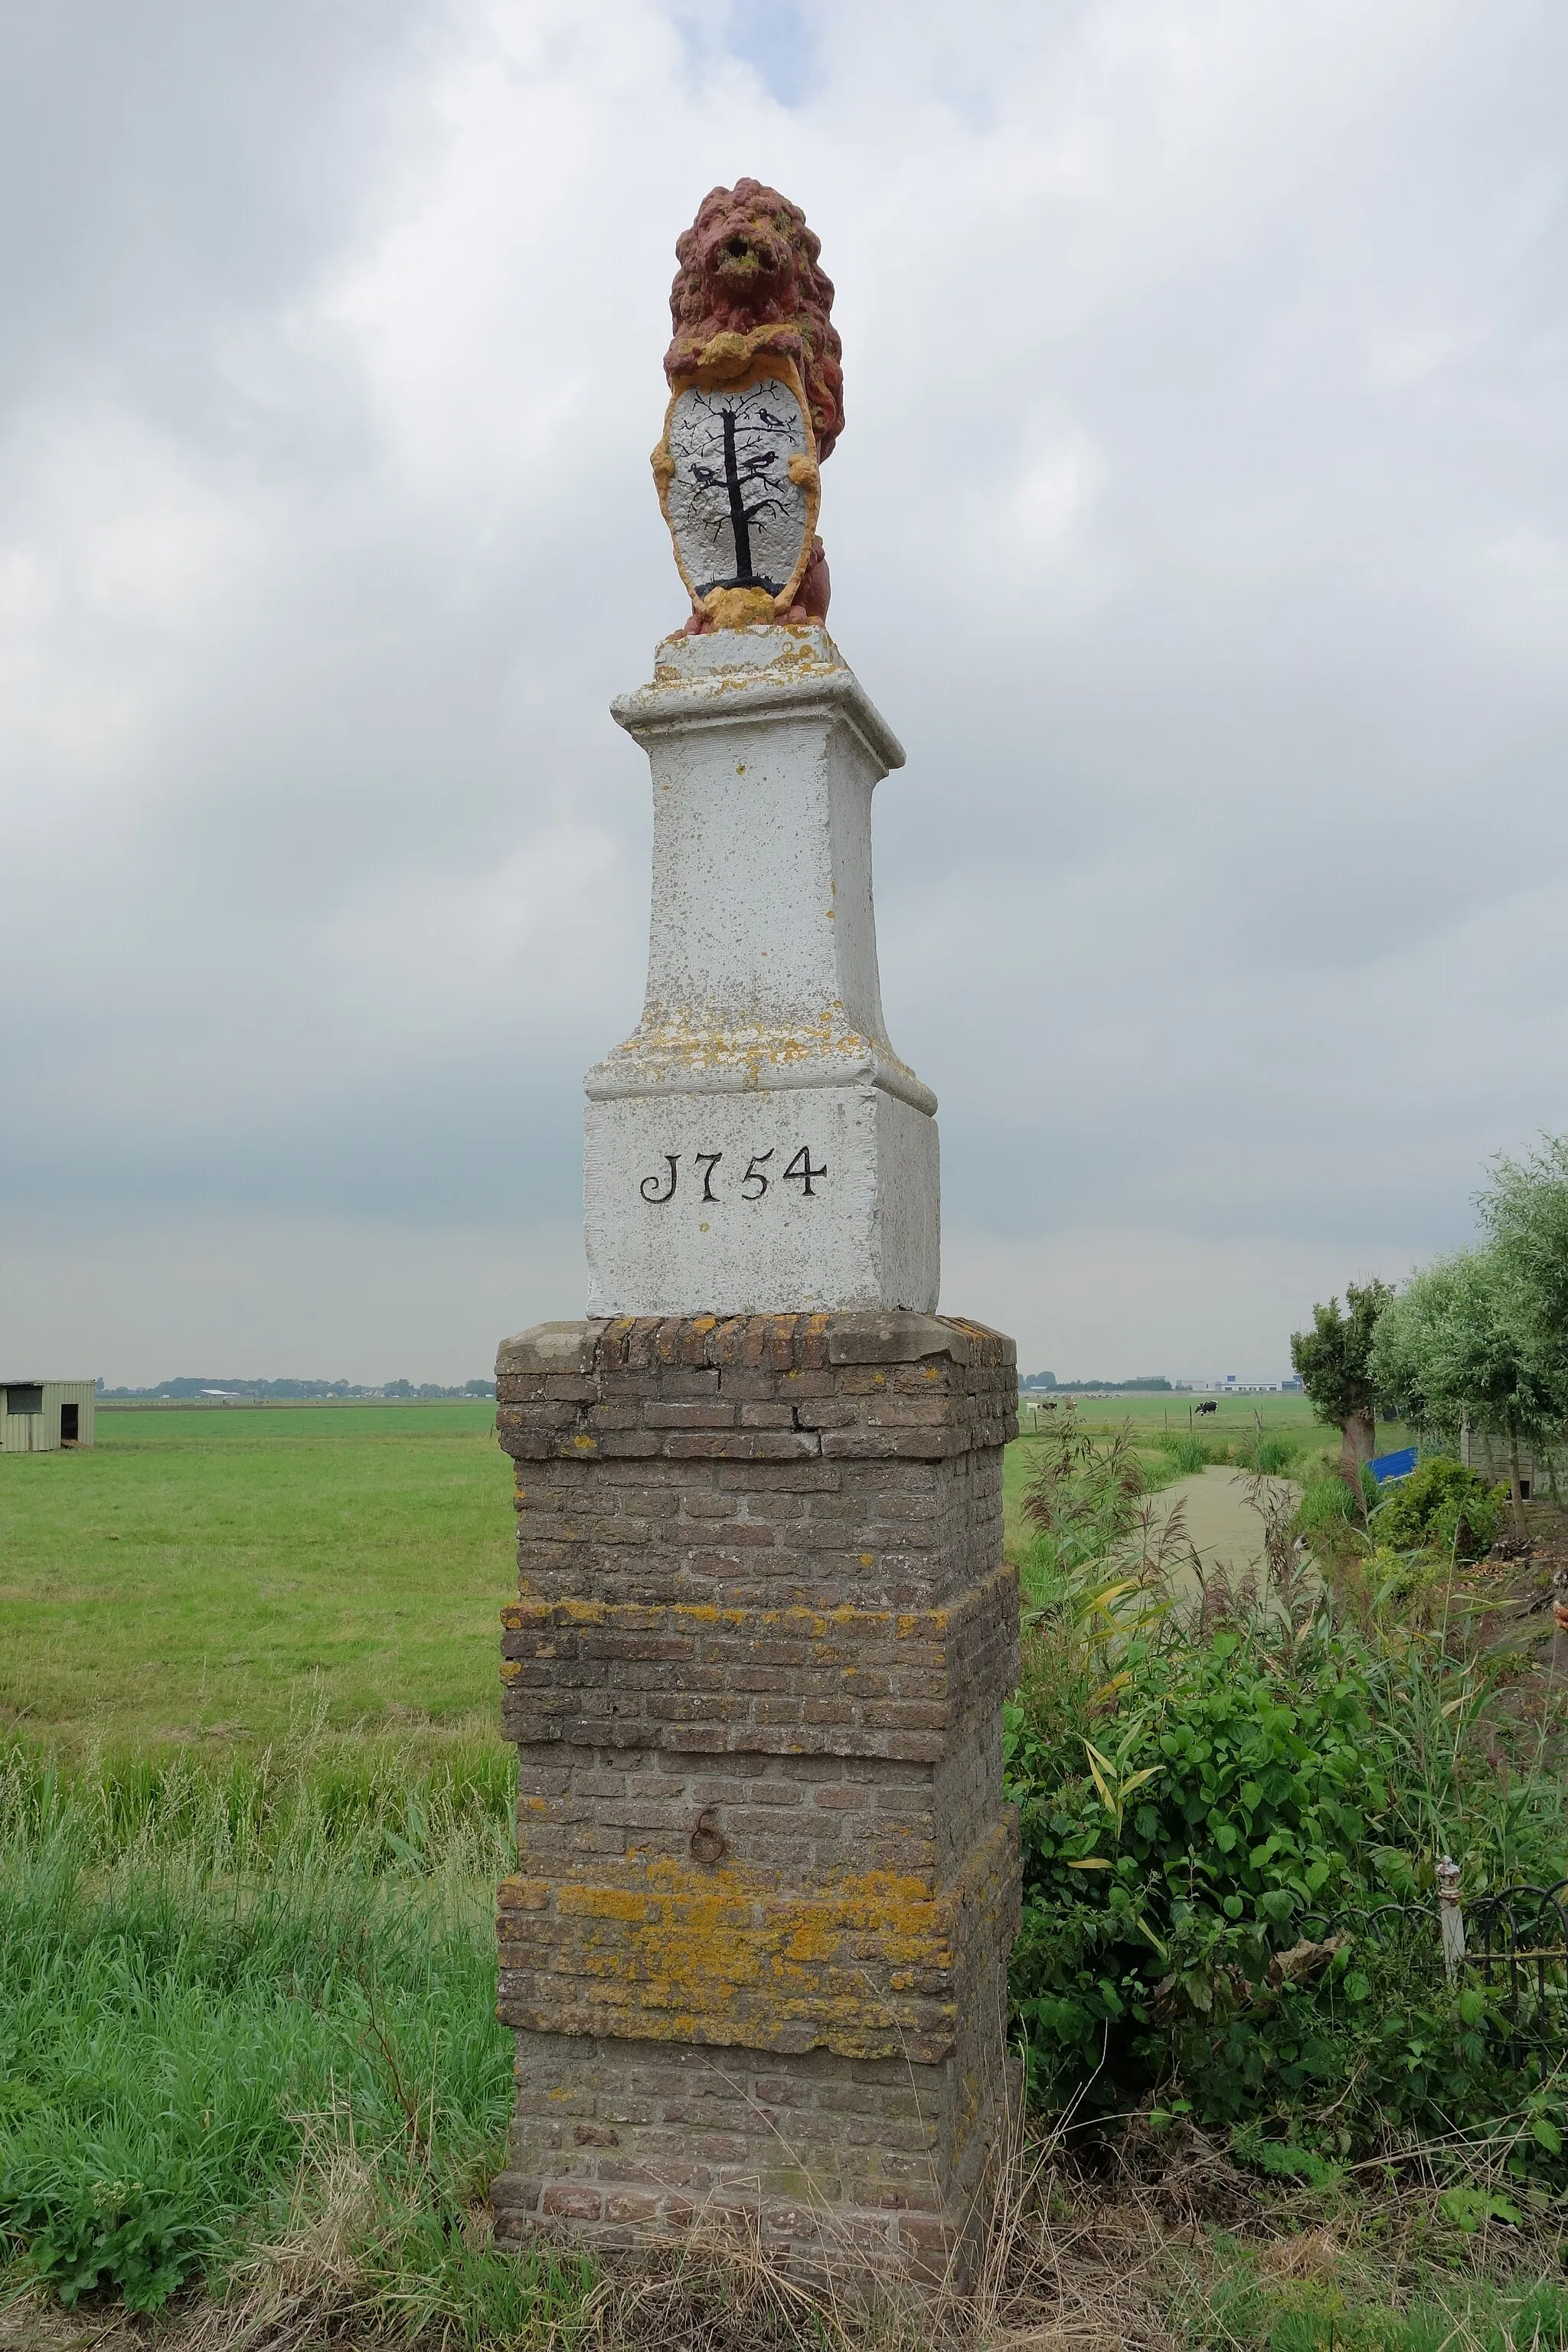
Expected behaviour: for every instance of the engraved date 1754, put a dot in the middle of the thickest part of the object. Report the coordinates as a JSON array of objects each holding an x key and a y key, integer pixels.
[{"x": 753, "y": 1184}]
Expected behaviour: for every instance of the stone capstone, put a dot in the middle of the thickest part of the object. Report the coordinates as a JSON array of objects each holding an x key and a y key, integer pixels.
[{"x": 754, "y": 1949}]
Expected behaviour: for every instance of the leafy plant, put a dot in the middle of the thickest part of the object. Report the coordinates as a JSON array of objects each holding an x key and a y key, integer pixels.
[
  {"x": 1471, "y": 2209},
  {"x": 1441, "y": 1506},
  {"x": 85, "y": 2227},
  {"x": 1194, "y": 1826},
  {"x": 1284, "y": 2159}
]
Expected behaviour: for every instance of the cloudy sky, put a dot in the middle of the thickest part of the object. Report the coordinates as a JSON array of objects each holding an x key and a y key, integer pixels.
[{"x": 1200, "y": 524}]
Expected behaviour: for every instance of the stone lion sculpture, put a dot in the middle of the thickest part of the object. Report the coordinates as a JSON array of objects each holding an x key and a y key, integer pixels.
[{"x": 749, "y": 283}]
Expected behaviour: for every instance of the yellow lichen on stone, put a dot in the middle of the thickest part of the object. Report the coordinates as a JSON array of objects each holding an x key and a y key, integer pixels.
[
  {"x": 675, "y": 1039},
  {"x": 845, "y": 1618},
  {"x": 864, "y": 1966},
  {"x": 737, "y": 608},
  {"x": 724, "y": 355}
]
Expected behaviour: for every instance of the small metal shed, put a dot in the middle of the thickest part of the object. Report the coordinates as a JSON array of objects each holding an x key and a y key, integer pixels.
[{"x": 41, "y": 1416}]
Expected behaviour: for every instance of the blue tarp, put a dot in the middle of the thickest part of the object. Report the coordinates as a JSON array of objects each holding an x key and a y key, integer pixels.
[{"x": 1392, "y": 1466}]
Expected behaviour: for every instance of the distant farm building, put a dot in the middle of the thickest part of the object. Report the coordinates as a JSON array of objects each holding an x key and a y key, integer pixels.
[{"x": 40, "y": 1416}]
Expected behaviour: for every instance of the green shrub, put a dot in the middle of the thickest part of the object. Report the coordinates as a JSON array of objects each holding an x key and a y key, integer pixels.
[
  {"x": 1210, "y": 1809},
  {"x": 1441, "y": 1506}
]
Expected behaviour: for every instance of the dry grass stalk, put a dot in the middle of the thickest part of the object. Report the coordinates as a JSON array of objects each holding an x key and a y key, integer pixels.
[{"x": 291, "y": 2291}]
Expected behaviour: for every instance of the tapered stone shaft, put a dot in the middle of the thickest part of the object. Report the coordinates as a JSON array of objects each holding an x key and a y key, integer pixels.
[{"x": 756, "y": 1146}]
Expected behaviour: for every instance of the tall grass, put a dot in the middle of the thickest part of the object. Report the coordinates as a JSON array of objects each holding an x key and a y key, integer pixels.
[
  {"x": 1189, "y": 1452},
  {"x": 307, "y": 1808},
  {"x": 1274, "y": 1454},
  {"x": 196, "y": 1972}
]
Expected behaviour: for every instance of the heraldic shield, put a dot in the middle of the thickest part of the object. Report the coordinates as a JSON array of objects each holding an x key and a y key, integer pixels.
[{"x": 739, "y": 483}]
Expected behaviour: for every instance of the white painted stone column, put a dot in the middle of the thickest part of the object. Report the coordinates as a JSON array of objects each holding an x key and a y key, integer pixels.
[{"x": 756, "y": 1146}]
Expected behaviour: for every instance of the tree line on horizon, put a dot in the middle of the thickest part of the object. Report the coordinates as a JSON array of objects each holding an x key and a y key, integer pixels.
[{"x": 193, "y": 1389}]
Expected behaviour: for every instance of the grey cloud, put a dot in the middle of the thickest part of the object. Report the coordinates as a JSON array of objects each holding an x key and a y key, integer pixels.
[
  {"x": 166, "y": 164},
  {"x": 1199, "y": 525}
]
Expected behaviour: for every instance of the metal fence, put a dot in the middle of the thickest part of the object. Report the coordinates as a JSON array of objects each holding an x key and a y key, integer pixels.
[{"x": 1514, "y": 1941}]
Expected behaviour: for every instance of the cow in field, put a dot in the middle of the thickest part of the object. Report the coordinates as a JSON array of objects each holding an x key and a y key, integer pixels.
[{"x": 1210, "y": 1406}]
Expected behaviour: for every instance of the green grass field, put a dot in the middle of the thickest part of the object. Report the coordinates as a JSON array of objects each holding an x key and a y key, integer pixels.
[
  {"x": 203, "y": 1577},
  {"x": 1153, "y": 1409}
]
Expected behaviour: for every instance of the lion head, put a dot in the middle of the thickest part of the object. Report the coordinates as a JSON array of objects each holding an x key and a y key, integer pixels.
[{"x": 749, "y": 269}]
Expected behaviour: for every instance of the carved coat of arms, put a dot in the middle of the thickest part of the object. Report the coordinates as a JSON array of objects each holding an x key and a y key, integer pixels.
[{"x": 739, "y": 485}]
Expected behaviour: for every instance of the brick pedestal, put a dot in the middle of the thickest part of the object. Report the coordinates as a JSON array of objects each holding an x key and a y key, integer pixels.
[{"x": 755, "y": 1948}]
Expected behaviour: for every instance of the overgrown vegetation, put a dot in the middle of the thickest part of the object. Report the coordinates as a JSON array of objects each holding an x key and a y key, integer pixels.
[
  {"x": 1214, "y": 1798},
  {"x": 1442, "y": 1509}
]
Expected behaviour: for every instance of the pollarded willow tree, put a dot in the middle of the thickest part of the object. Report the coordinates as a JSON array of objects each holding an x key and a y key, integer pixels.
[
  {"x": 1334, "y": 1362},
  {"x": 1525, "y": 1212},
  {"x": 1458, "y": 1344}
]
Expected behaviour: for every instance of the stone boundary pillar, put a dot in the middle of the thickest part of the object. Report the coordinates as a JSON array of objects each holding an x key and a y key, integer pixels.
[{"x": 755, "y": 1951}]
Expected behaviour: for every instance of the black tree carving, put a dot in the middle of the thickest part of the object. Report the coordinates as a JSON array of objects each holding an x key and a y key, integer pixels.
[{"x": 750, "y": 484}]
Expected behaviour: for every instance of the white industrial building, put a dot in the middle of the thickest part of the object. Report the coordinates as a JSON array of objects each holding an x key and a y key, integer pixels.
[{"x": 41, "y": 1416}]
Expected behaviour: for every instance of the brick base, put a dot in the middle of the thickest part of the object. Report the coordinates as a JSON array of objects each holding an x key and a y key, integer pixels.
[{"x": 755, "y": 1948}]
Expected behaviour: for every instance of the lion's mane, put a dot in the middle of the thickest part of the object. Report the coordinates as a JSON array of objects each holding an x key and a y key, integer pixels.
[{"x": 749, "y": 269}]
